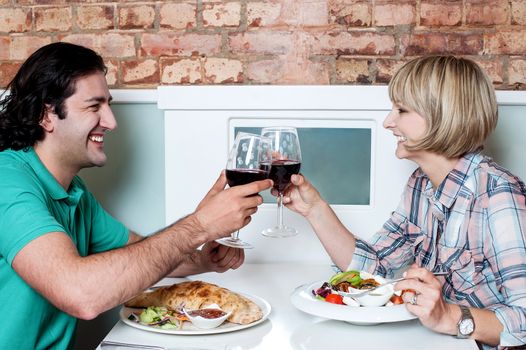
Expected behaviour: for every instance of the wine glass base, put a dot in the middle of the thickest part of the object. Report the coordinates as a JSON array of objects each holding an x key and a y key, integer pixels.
[
  {"x": 280, "y": 232},
  {"x": 234, "y": 243}
]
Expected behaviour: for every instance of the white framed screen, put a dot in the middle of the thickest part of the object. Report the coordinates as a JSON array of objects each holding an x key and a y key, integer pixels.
[{"x": 334, "y": 152}]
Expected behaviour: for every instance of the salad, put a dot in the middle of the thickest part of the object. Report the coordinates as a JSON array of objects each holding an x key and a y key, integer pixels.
[
  {"x": 344, "y": 281},
  {"x": 160, "y": 317}
]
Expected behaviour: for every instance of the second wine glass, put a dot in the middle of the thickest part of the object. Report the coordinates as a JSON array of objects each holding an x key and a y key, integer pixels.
[
  {"x": 244, "y": 166},
  {"x": 286, "y": 161}
]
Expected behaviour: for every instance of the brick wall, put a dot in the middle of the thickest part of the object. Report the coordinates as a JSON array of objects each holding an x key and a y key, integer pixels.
[{"x": 147, "y": 43}]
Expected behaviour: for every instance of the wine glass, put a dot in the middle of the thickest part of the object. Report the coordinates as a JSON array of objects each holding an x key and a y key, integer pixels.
[
  {"x": 286, "y": 161},
  {"x": 244, "y": 166}
]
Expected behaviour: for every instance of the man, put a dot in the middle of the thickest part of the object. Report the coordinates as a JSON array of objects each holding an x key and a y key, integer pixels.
[{"x": 62, "y": 257}]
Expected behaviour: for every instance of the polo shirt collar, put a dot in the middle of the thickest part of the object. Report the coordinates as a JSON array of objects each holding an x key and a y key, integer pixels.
[{"x": 51, "y": 185}]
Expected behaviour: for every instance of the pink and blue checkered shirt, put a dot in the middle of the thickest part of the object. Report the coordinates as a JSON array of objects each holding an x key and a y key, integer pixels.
[{"x": 474, "y": 226}]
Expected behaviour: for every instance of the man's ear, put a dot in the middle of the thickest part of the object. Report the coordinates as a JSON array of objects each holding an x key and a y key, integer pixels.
[{"x": 49, "y": 118}]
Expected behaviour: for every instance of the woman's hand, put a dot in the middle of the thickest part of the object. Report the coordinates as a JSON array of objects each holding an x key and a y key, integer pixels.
[
  {"x": 428, "y": 303},
  {"x": 301, "y": 196}
]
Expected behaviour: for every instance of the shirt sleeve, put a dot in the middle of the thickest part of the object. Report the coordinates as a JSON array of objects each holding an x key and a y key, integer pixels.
[
  {"x": 390, "y": 250},
  {"x": 506, "y": 252},
  {"x": 24, "y": 214}
]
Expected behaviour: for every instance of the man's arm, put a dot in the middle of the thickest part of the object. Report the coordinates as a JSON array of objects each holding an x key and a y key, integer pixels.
[{"x": 87, "y": 286}]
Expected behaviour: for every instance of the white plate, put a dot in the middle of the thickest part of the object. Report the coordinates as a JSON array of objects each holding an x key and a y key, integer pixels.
[
  {"x": 303, "y": 299},
  {"x": 190, "y": 329}
]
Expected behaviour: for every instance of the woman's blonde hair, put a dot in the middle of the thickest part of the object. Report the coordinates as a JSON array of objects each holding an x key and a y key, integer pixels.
[{"x": 455, "y": 97}]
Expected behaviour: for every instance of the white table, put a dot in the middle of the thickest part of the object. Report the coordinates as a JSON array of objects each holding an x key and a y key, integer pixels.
[{"x": 287, "y": 327}]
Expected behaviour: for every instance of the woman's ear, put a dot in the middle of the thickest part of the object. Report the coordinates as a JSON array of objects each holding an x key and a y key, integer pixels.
[{"x": 48, "y": 120}]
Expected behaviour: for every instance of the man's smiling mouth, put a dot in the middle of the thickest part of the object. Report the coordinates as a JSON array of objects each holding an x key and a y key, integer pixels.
[{"x": 96, "y": 138}]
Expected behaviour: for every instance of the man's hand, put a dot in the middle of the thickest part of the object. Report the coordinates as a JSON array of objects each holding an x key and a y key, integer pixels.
[
  {"x": 219, "y": 258},
  {"x": 223, "y": 211}
]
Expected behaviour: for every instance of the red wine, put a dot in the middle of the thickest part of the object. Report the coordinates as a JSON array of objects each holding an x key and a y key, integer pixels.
[
  {"x": 281, "y": 172},
  {"x": 236, "y": 177}
]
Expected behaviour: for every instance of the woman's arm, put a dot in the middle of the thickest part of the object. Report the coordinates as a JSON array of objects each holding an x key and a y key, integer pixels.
[{"x": 304, "y": 199}]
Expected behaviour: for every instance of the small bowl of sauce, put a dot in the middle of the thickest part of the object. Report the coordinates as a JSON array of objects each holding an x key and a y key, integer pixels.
[{"x": 209, "y": 317}]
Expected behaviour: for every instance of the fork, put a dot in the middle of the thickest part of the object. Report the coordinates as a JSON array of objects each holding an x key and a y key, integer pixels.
[
  {"x": 368, "y": 291},
  {"x": 106, "y": 343}
]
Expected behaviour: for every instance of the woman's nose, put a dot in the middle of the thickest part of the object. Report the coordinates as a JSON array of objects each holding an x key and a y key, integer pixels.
[{"x": 389, "y": 120}]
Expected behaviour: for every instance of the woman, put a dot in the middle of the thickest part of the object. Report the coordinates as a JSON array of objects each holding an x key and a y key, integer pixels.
[{"x": 460, "y": 212}]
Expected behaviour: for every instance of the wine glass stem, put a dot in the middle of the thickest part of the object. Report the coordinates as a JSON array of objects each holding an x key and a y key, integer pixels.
[{"x": 280, "y": 210}]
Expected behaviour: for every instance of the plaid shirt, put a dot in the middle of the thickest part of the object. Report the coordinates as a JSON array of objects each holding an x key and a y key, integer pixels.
[{"x": 474, "y": 226}]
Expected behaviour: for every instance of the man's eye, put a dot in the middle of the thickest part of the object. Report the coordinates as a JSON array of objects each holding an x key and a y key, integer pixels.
[{"x": 94, "y": 107}]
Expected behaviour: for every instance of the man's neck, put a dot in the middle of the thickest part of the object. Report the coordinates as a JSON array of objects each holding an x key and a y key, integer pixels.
[{"x": 55, "y": 166}]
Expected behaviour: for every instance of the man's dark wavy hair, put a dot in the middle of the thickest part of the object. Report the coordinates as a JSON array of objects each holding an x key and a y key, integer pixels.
[{"x": 46, "y": 79}]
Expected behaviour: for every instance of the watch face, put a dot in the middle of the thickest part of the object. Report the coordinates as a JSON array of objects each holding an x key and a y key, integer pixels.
[{"x": 466, "y": 327}]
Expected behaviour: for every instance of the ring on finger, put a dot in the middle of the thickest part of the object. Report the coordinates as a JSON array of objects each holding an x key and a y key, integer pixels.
[{"x": 413, "y": 300}]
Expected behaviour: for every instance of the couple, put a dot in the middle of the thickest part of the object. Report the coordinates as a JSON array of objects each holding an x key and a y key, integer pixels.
[{"x": 58, "y": 246}]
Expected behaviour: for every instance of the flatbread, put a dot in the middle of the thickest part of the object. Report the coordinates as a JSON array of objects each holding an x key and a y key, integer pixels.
[{"x": 197, "y": 295}]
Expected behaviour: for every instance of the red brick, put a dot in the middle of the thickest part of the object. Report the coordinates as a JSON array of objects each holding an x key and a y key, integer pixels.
[
  {"x": 178, "y": 16},
  {"x": 265, "y": 42},
  {"x": 441, "y": 13},
  {"x": 7, "y": 72},
  {"x": 493, "y": 68},
  {"x": 222, "y": 14},
  {"x": 487, "y": 12},
  {"x": 386, "y": 68},
  {"x": 181, "y": 71},
  {"x": 312, "y": 13},
  {"x": 266, "y": 71},
  {"x": 507, "y": 42},
  {"x": 23, "y": 46},
  {"x": 353, "y": 70},
  {"x": 170, "y": 44},
  {"x": 140, "y": 72},
  {"x": 353, "y": 43},
  {"x": 438, "y": 43},
  {"x": 53, "y": 19},
  {"x": 263, "y": 14},
  {"x": 307, "y": 13},
  {"x": 15, "y": 20},
  {"x": 5, "y": 43},
  {"x": 95, "y": 17},
  {"x": 517, "y": 73},
  {"x": 223, "y": 71},
  {"x": 107, "y": 45},
  {"x": 350, "y": 13},
  {"x": 293, "y": 68},
  {"x": 394, "y": 14},
  {"x": 300, "y": 70},
  {"x": 138, "y": 16},
  {"x": 518, "y": 12},
  {"x": 113, "y": 71}
]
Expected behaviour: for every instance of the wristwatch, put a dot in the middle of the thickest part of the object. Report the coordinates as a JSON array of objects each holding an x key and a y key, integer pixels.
[{"x": 466, "y": 325}]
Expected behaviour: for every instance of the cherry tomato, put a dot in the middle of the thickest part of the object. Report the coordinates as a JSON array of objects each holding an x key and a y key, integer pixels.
[
  {"x": 396, "y": 299},
  {"x": 334, "y": 298}
]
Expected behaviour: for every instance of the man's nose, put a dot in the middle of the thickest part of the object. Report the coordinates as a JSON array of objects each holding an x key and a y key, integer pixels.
[{"x": 108, "y": 120}]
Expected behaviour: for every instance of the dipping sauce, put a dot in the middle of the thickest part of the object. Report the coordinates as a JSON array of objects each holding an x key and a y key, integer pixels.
[{"x": 207, "y": 313}]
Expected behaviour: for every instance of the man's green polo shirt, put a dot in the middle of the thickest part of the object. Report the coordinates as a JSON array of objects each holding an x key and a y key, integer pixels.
[{"x": 32, "y": 203}]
